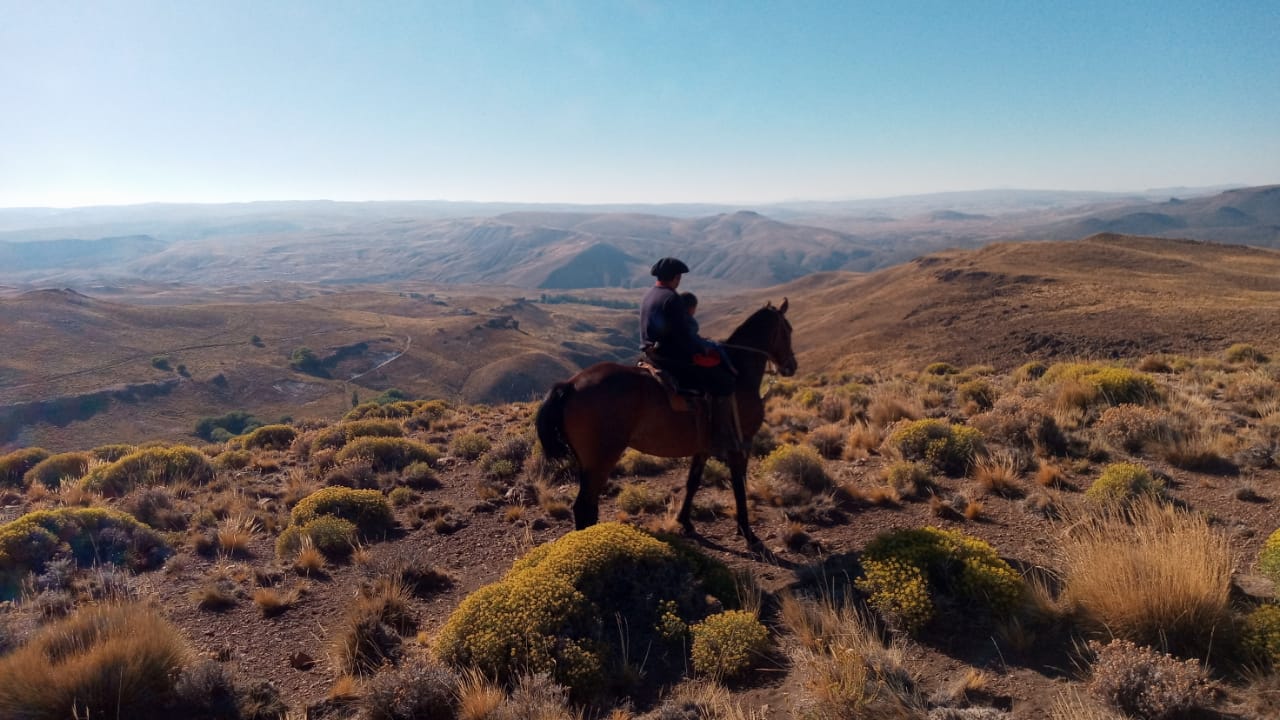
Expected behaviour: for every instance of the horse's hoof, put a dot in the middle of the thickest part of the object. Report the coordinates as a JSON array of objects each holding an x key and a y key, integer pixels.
[{"x": 687, "y": 529}]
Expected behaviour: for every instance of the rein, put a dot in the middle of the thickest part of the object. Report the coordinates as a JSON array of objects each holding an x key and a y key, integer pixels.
[{"x": 770, "y": 367}]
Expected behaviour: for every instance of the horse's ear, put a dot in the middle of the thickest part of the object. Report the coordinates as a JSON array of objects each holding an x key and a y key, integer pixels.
[
  {"x": 768, "y": 305},
  {"x": 782, "y": 309}
]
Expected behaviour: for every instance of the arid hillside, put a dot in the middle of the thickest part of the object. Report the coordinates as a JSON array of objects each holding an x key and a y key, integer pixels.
[
  {"x": 79, "y": 368},
  {"x": 1102, "y": 297}
]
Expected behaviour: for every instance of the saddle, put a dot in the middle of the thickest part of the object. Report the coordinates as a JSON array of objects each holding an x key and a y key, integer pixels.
[{"x": 681, "y": 399}]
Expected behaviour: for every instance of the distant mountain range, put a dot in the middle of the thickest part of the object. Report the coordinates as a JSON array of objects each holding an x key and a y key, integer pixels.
[{"x": 567, "y": 247}]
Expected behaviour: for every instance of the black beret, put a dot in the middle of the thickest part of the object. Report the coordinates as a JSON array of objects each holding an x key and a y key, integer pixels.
[{"x": 667, "y": 268}]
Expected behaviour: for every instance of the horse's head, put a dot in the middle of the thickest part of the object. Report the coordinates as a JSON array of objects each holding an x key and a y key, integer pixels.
[
  {"x": 768, "y": 333},
  {"x": 780, "y": 345}
]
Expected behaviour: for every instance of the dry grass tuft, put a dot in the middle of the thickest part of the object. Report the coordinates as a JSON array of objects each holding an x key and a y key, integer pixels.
[
  {"x": 847, "y": 671},
  {"x": 998, "y": 475},
  {"x": 109, "y": 661},
  {"x": 235, "y": 533},
  {"x": 1153, "y": 575},
  {"x": 478, "y": 697}
]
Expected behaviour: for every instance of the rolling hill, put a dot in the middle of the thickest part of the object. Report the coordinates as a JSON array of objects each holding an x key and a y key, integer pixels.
[{"x": 87, "y": 364}]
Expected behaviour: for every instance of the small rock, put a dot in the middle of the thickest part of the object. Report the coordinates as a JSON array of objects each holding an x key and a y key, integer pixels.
[
  {"x": 301, "y": 661},
  {"x": 1255, "y": 587}
]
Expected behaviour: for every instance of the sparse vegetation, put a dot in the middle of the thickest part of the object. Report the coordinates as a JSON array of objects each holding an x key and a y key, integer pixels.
[
  {"x": 1147, "y": 684},
  {"x": 87, "y": 535}
]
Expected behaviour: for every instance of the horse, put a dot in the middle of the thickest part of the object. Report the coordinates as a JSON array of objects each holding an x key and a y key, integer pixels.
[{"x": 594, "y": 416}]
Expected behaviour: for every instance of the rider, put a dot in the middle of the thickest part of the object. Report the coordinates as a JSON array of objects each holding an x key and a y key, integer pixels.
[{"x": 672, "y": 342}]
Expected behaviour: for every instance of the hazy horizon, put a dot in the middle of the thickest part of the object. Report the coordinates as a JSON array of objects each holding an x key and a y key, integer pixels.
[{"x": 642, "y": 103}]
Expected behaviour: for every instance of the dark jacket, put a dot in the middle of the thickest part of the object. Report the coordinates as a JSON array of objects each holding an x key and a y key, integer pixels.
[{"x": 664, "y": 322}]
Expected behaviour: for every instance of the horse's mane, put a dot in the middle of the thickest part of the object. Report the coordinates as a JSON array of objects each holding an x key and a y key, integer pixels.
[{"x": 753, "y": 325}]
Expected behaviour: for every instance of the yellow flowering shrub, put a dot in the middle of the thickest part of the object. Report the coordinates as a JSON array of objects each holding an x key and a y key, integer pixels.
[
  {"x": 335, "y": 436},
  {"x": 53, "y": 470},
  {"x": 368, "y": 510},
  {"x": 387, "y": 453},
  {"x": 14, "y": 465},
  {"x": 1120, "y": 484},
  {"x": 1269, "y": 557},
  {"x": 558, "y": 610},
  {"x": 333, "y": 536},
  {"x": 89, "y": 536},
  {"x": 949, "y": 448},
  {"x": 1109, "y": 385},
  {"x": 150, "y": 466},
  {"x": 394, "y": 410},
  {"x": 906, "y": 571},
  {"x": 727, "y": 644},
  {"x": 1261, "y": 635},
  {"x": 798, "y": 464},
  {"x": 271, "y": 437}
]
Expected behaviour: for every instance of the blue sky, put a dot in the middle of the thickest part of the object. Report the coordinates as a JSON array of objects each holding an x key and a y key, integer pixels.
[{"x": 126, "y": 102}]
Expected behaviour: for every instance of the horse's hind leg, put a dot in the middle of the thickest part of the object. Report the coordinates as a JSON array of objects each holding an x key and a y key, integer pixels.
[
  {"x": 696, "y": 466},
  {"x": 586, "y": 507}
]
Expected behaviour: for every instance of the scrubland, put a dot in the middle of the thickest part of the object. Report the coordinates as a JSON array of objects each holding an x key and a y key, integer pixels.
[{"x": 1065, "y": 540}]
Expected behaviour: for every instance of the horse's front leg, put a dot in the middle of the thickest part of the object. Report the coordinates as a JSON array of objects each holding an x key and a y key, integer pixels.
[
  {"x": 696, "y": 466},
  {"x": 738, "y": 476}
]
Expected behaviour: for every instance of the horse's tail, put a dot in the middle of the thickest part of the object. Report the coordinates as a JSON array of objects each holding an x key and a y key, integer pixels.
[{"x": 550, "y": 423}]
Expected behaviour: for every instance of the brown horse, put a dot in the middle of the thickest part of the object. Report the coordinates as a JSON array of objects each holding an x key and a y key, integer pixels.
[{"x": 600, "y": 412}]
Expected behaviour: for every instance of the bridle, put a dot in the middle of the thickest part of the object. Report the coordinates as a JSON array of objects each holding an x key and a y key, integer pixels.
[{"x": 771, "y": 364}]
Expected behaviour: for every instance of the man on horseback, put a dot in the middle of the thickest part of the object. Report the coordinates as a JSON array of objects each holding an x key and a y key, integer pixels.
[{"x": 671, "y": 342}]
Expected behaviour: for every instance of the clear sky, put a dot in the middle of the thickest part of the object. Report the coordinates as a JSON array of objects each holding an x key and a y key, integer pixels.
[{"x": 597, "y": 101}]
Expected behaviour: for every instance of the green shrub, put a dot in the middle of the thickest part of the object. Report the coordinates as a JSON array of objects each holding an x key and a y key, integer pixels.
[
  {"x": 1269, "y": 557},
  {"x": 52, "y": 470},
  {"x": 1261, "y": 633},
  {"x": 940, "y": 368},
  {"x": 90, "y": 536},
  {"x": 105, "y": 661},
  {"x": 727, "y": 644},
  {"x": 949, "y": 448},
  {"x": 637, "y": 464},
  {"x": 909, "y": 574},
  {"x": 469, "y": 446},
  {"x": 367, "y": 509},
  {"x": 236, "y": 422},
  {"x": 150, "y": 466},
  {"x": 392, "y": 410},
  {"x": 556, "y": 611},
  {"x": 979, "y": 392},
  {"x": 1244, "y": 352},
  {"x": 233, "y": 460},
  {"x": 161, "y": 362},
  {"x": 798, "y": 464},
  {"x": 15, "y": 465},
  {"x": 271, "y": 437},
  {"x": 331, "y": 535},
  {"x": 808, "y": 398},
  {"x": 385, "y": 454},
  {"x": 419, "y": 475},
  {"x": 909, "y": 478},
  {"x": 1108, "y": 385},
  {"x": 402, "y": 496},
  {"x": 1033, "y": 370},
  {"x": 335, "y": 436},
  {"x": 635, "y": 499},
  {"x": 1121, "y": 484}
]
